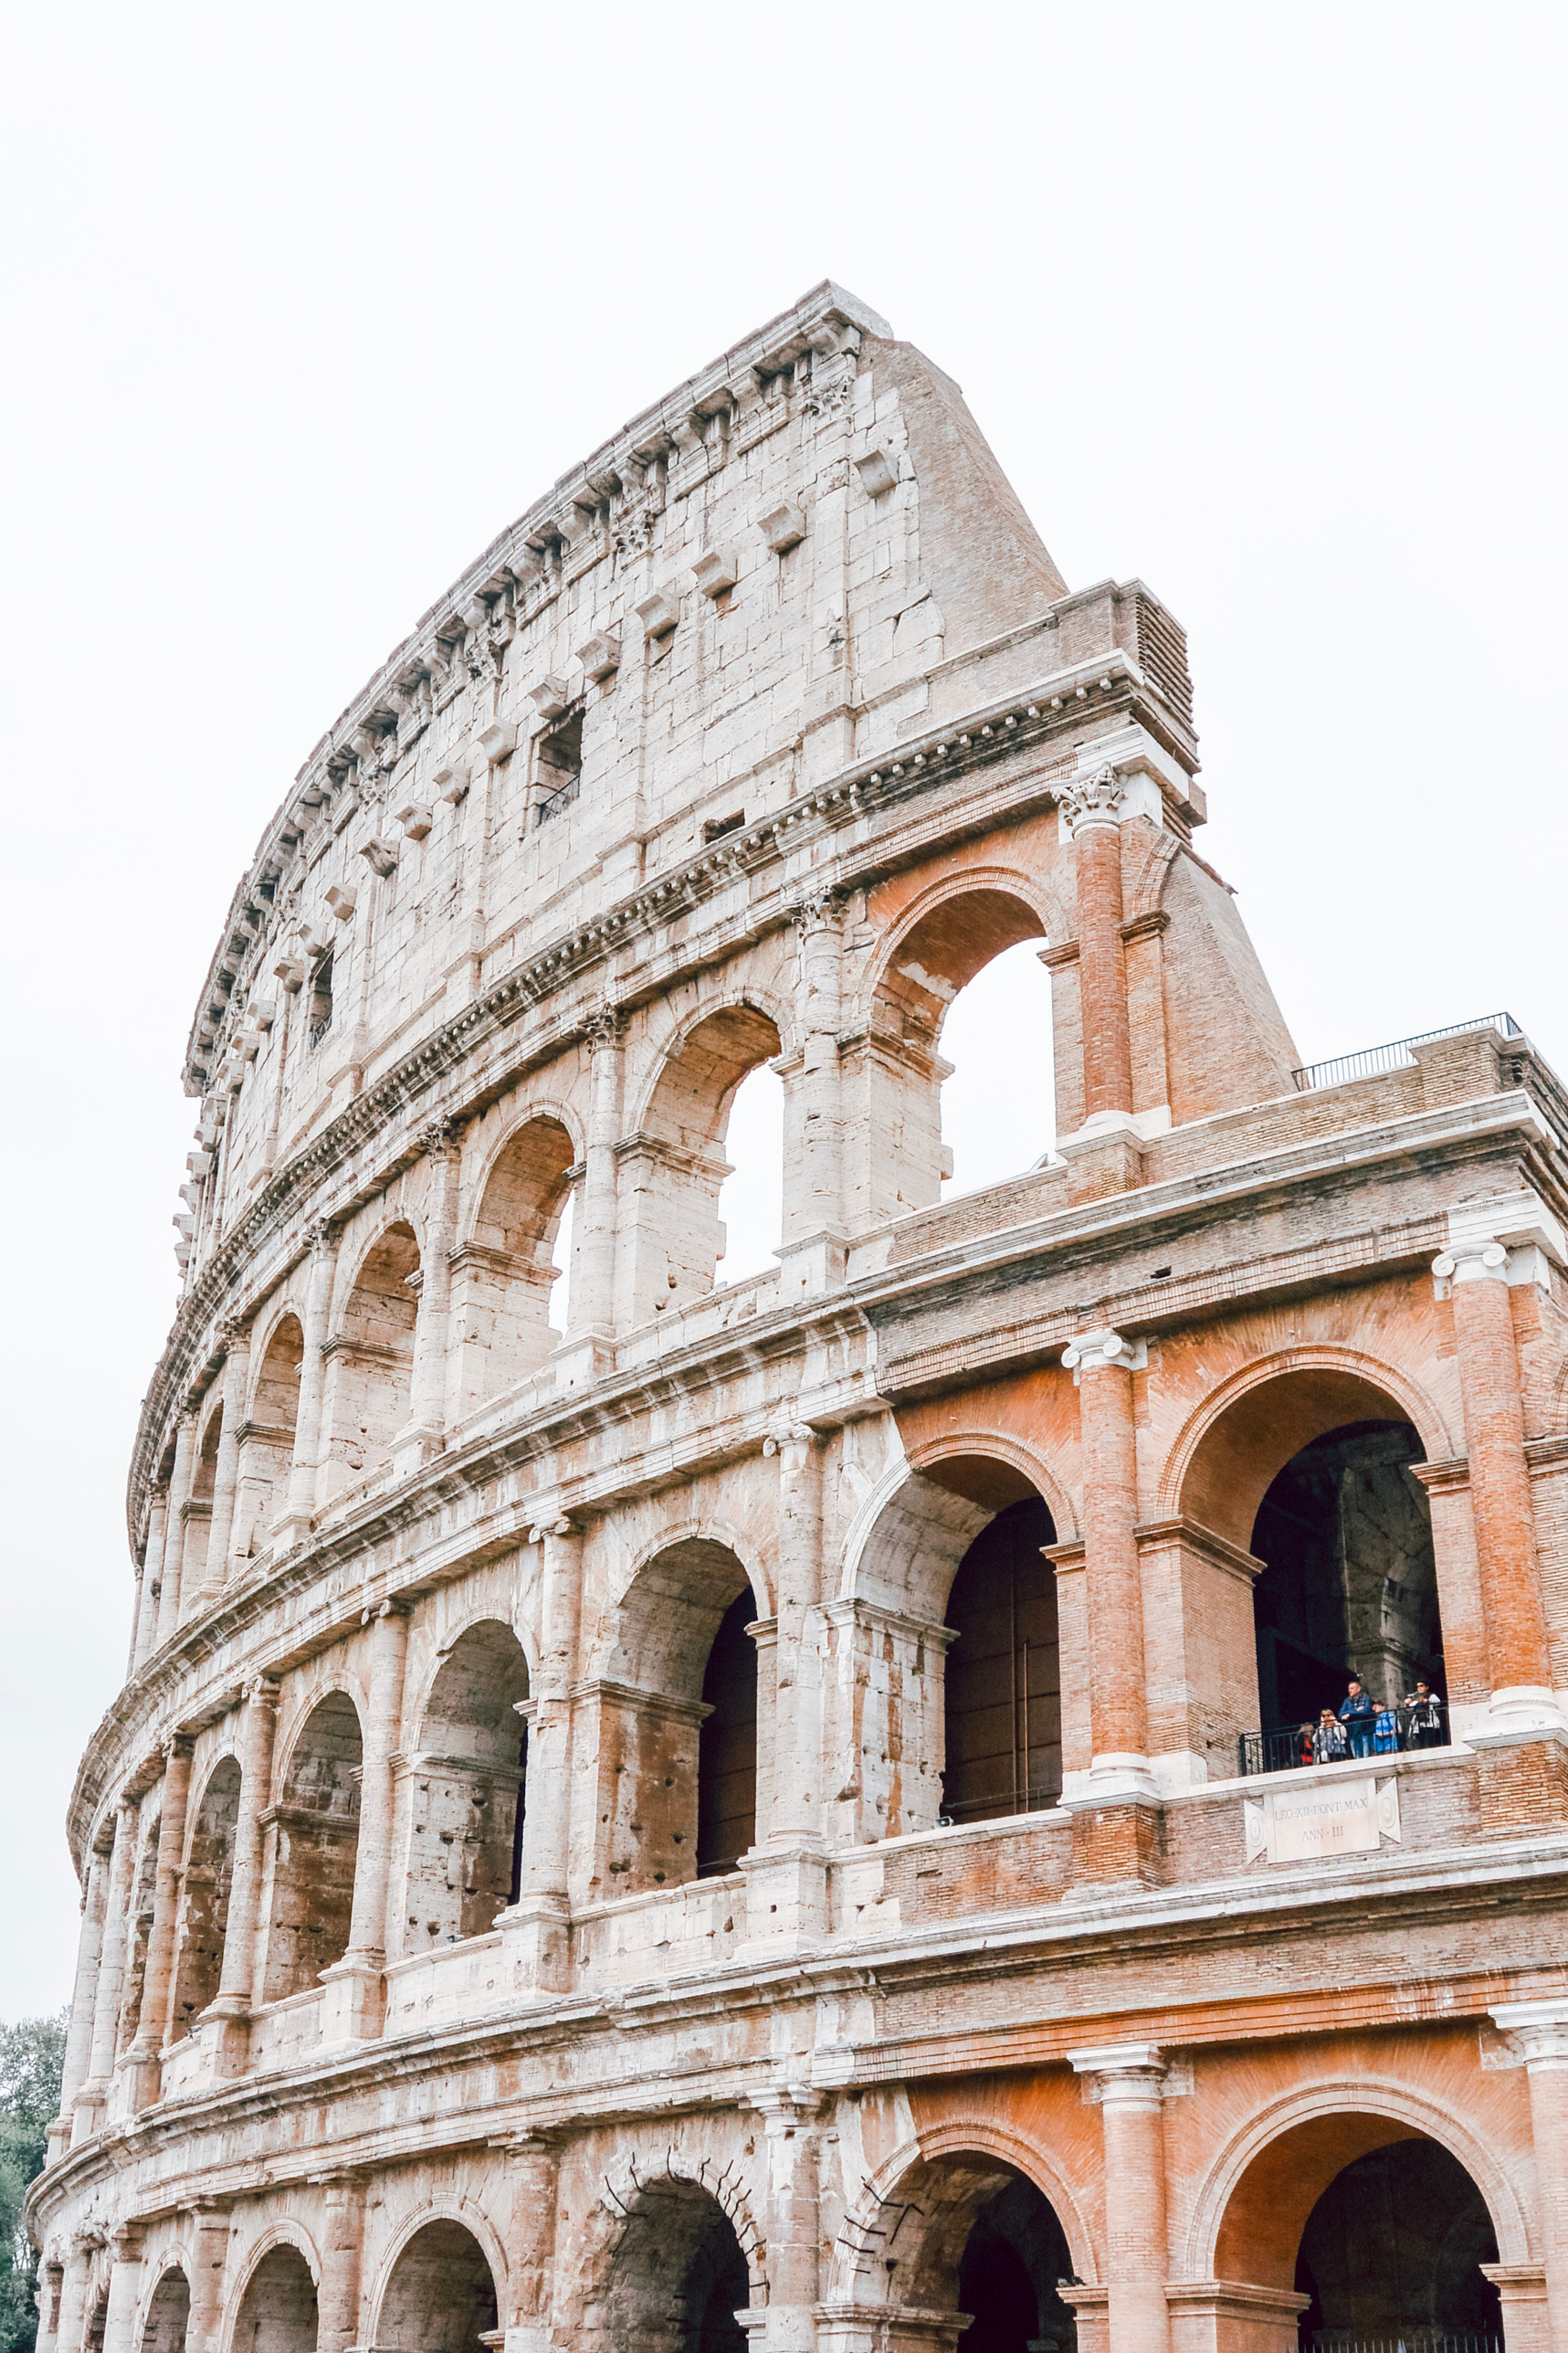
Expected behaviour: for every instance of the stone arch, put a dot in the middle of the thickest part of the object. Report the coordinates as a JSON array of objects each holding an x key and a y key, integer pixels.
[
  {"x": 199, "y": 1505},
  {"x": 1332, "y": 1385},
  {"x": 468, "y": 1787},
  {"x": 676, "y": 2243},
  {"x": 144, "y": 1884},
  {"x": 277, "y": 1358},
  {"x": 672, "y": 1163},
  {"x": 205, "y": 1892},
  {"x": 653, "y": 1693},
  {"x": 167, "y": 2311},
  {"x": 901, "y": 2242},
  {"x": 504, "y": 1267},
  {"x": 1038, "y": 903},
  {"x": 1025, "y": 1460},
  {"x": 1254, "y": 2201},
  {"x": 441, "y": 2283},
  {"x": 313, "y": 1846},
  {"x": 276, "y": 2309},
  {"x": 370, "y": 1355}
]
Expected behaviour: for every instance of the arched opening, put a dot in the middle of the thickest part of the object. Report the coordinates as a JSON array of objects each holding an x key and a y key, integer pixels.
[
  {"x": 1350, "y": 1585},
  {"x": 968, "y": 2233},
  {"x": 468, "y": 1791},
  {"x": 727, "y": 1744},
  {"x": 369, "y": 1359},
  {"x": 314, "y": 1831},
  {"x": 672, "y": 1170},
  {"x": 1368, "y": 2229},
  {"x": 441, "y": 2297},
  {"x": 199, "y": 1508},
  {"x": 140, "y": 1925},
  {"x": 267, "y": 1440},
  {"x": 928, "y": 967},
  {"x": 751, "y": 1198},
  {"x": 204, "y": 1911},
  {"x": 278, "y": 2311},
  {"x": 679, "y": 2274},
  {"x": 97, "y": 2323},
  {"x": 168, "y": 2314},
  {"x": 1002, "y": 1712},
  {"x": 506, "y": 1318},
  {"x": 998, "y": 1115},
  {"x": 662, "y": 1786},
  {"x": 276, "y": 1405}
]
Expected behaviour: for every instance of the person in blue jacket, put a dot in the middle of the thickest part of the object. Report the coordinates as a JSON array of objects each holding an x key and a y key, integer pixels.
[
  {"x": 1357, "y": 1714},
  {"x": 1386, "y": 1739}
]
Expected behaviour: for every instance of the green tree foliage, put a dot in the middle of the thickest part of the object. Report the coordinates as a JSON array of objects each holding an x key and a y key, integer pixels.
[{"x": 32, "y": 2055}]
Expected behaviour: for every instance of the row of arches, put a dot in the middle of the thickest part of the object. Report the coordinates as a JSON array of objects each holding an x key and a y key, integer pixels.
[{"x": 1350, "y": 2225}]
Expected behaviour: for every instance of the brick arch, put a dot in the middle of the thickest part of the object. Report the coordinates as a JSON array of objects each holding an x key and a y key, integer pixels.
[
  {"x": 1280, "y": 2162},
  {"x": 1013, "y": 1452},
  {"x": 469, "y": 2217},
  {"x": 1235, "y": 1442},
  {"x": 1019, "y": 906},
  {"x": 923, "y": 2199}
]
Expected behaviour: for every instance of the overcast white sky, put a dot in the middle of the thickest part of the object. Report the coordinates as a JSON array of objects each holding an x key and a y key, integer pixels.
[{"x": 1260, "y": 303}]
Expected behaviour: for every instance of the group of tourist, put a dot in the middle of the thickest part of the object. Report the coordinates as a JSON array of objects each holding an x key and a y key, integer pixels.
[{"x": 1362, "y": 1726}]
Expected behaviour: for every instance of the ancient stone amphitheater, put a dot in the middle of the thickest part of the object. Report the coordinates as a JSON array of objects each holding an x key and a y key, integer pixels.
[{"x": 777, "y": 1810}]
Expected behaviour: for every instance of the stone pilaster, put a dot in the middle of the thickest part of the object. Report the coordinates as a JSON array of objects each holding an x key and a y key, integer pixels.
[
  {"x": 1128, "y": 2080},
  {"x": 88, "y": 2109},
  {"x": 295, "y": 1524},
  {"x": 341, "y": 2243},
  {"x": 535, "y": 1927},
  {"x": 1540, "y": 2031},
  {"x": 207, "y": 2235},
  {"x": 591, "y": 1306},
  {"x": 813, "y": 1212},
  {"x": 226, "y": 2018},
  {"x": 79, "y": 2033},
  {"x": 124, "y": 2290},
  {"x": 169, "y": 1610},
  {"x": 226, "y": 1480},
  {"x": 427, "y": 1386},
  {"x": 533, "y": 2178},
  {"x": 150, "y": 1592},
  {"x": 354, "y": 2012},
  {"x": 154, "y": 2026}
]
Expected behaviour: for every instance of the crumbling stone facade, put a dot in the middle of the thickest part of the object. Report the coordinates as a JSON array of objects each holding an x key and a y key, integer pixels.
[{"x": 727, "y": 1821}]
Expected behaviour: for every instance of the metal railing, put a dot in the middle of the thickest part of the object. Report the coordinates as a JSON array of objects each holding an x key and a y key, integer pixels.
[
  {"x": 1405, "y": 2340},
  {"x": 1277, "y": 1748},
  {"x": 1396, "y": 1056}
]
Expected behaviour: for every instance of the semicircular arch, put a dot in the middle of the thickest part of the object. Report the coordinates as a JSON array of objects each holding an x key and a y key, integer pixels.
[
  {"x": 468, "y": 2216},
  {"x": 538, "y": 1110},
  {"x": 1032, "y": 893},
  {"x": 859, "y": 2251},
  {"x": 742, "y": 1051}
]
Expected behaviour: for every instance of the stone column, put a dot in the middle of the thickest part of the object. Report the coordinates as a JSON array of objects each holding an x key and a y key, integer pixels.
[
  {"x": 295, "y": 1524},
  {"x": 427, "y": 1387},
  {"x": 797, "y": 1771},
  {"x": 536, "y": 1926},
  {"x": 341, "y": 2242},
  {"x": 79, "y": 2033},
  {"x": 533, "y": 2178},
  {"x": 153, "y": 2028},
  {"x": 51, "y": 2287},
  {"x": 208, "y": 2236},
  {"x": 1127, "y": 2077},
  {"x": 149, "y": 1613},
  {"x": 88, "y": 2110},
  {"x": 1540, "y": 2030},
  {"x": 73, "y": 2297},
  {"x": 239, "y": 1982},
  {"x": 1094, "y": 811},
  {"x": 226, "y": 1477},
  {"x": 356, "y": 1980},
  {"x": 124, "y": 2290},
  {"x": 174, "y": 1539},
  {"x": 591, "y": 1309},
  {"x": 792, "y": 2193},
  {"x": 1113, "y": 1832},
  {"x": 813, "y": 1253},
  {"x": 1519, "y": 1663}
]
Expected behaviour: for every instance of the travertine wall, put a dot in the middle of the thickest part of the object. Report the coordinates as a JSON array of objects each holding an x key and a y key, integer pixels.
[{"x": 351, "y": 2058}]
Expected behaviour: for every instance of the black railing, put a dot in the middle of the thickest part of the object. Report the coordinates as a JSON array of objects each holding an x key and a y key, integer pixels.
[
  {"x": 1396, "y": 1056},
  {"x": 1277, "y": 1748},
  {"x": 1405, "y": 2340}
]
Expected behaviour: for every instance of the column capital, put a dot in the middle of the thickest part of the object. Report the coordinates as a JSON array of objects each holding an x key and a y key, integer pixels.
[
  {"x": 175, "y": 1744},
  {"x": 792, "y": 1442},
  {"x": 1124, "y": 2074},
  {"x": 1091, "y": 1352},
  {"x": 262, "y": 1691},
  {"x": 232, "y": 1335},
  {"x": 1097, "y": 799},
  {"x": 1539, "y": 2029},
  {"x": 558, "y": 1523},
  {"x": 438, "y": 1136},
  {"x": 1471, "y": 1261},
  {"x": 820, "y": 910},
  {"x": 605, "y": 1026}
]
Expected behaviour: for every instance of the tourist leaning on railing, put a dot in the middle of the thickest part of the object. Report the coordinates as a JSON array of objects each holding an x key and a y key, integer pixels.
[
  {"x": 1331, "y": 1742},
  {"x": 1424, "y": 1718},
  {"x": 1357, "y": 1711}
]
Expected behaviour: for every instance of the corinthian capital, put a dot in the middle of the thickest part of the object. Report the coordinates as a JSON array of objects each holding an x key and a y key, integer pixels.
[
  {"x": 818, "y": 911},
  {"x": 606, "y": 1026},
  {"x": 1100, "y": 799}
]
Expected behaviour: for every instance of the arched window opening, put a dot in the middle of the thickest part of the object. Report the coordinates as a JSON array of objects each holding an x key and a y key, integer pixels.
[
  {"x": 1013, "y": 2256},
  {"x": 680, "y": 2277},
  {"x": 1000, "y": 1119},
  {"x": 267, "y": 1442},
  {"x": 1350, "y": 1588},
  {"x": 998, "y": 1115},
  {"x": 199, "y": 1507},
  {"x": 97, "y": 2325},
  {"x": 314, "y": 1835},
  {"x": 277, "y": 2312},
  {"x": 507, "y": 1315},
  {"x": 441, "y": 2297},
  {"x": 751, "y": 1198},
  {"x": 468, "y": 1791},
  {"x": 370, "y": 1360},
  {"x": 727, "y": 1744},
  {"x": 672, "y": 1171},
  {"x": 209, "y": 1874},
  {"x": 1004, "y": 1716},
  {"x": 1394, "y": 2250},
  {"x": 168, "y": 2314},
  {"x": 141, "y": 1936}
]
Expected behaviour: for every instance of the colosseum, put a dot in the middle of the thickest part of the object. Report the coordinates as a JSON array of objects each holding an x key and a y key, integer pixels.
[{"x": 1003, "y": 1783}]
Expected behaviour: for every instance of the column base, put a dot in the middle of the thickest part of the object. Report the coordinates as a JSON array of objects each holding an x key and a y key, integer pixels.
[
  {"x": 87, "y": 2112},
  {"x": 582, "y": 1359},
  {"x": 1232, "y": 2316},
  {"x": 143, "y": 2070},
  {"x": 293, "y": 1528},
  {"x": 413, "y": 1447},
  {"x": 812, "y": 1264},
  {"x": 56, "y": 2140},
  {"x": 1523, "y": 1782},
  {"x": 786, "y": 1902},
  {"x": 224, "y": 2031},
  {"x": 536, "y": 1945},
  {"x": 354, "y": 2008},
  {"x": 1116, "y": 1844}
]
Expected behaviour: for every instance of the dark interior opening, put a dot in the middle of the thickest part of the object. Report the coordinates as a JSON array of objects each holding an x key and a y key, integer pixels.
[
  {"x": 727, "y": 1747},
  {"x": 1395, "y": 2246},
  {"x": 1014, "y": 2255},
  {"x": 1004, "y": 1673}
]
